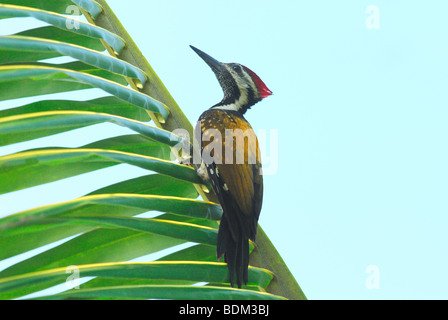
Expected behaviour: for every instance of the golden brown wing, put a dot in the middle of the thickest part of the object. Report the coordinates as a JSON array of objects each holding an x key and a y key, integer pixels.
[
  {"x": 234, "y": 169},
  {"x": 237, "y": 162}
]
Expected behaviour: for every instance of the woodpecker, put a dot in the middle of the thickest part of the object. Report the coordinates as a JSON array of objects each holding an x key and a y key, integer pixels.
[{"x": 236, "y": 178}]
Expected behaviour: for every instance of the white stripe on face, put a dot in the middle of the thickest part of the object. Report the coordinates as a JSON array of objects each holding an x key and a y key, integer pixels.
[{"x": 244, "y": 83}]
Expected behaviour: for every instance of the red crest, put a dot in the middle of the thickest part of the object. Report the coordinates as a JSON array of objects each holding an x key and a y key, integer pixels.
[{"x": 262, "y": 88}]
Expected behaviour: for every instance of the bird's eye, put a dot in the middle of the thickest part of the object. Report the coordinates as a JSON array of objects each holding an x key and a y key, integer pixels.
[{"x": 236, "y": 67}]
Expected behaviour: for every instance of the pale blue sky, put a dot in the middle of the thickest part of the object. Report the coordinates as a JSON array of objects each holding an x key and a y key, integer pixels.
[{"x": 361, "y": 119}]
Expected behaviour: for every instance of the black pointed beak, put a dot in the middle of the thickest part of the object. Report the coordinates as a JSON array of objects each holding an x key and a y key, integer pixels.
[{"x": 212, "y": 62}]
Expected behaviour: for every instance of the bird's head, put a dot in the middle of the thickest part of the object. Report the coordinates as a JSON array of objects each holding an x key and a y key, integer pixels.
[{"x": 242, "y": 87}]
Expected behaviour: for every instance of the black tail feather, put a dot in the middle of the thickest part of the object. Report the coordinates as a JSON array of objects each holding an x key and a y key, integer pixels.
[
  {"x": 223, "y": 235},
  {"x": 236, "y": 254},
  {"x": 245, "y": 259}
]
